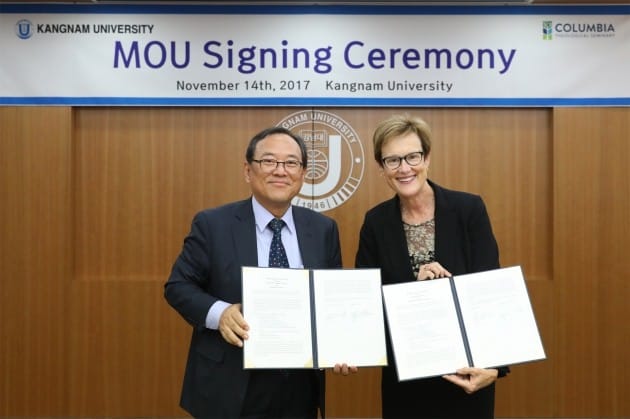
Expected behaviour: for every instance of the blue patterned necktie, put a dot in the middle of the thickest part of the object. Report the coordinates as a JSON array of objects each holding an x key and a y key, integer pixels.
[{"x": 277, "y": 255}]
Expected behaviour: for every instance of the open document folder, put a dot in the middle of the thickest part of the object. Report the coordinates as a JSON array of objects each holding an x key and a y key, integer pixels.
[
  {"x": 483, "y": 320},
  {"x": 302, "y": 318}
]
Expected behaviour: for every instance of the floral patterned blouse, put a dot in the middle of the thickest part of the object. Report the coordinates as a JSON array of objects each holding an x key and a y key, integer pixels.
[{"x": 420, "y": 243}]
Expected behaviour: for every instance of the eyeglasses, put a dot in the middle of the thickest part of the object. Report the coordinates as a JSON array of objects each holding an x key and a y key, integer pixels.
[
  {"x": 269, "y": 165},
  {"x": 412, "y": 159}
]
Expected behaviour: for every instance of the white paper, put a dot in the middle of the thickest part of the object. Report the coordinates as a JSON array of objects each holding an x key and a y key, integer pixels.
[
  {"x": 424, "y": 328},
  {"x": 349, "y": 317},
  {"x": 276, "y": 305},
  {"x": 498, "y": 323},
  {"x": 498, "y": 317},
  {"x": 346, "y": 310}
]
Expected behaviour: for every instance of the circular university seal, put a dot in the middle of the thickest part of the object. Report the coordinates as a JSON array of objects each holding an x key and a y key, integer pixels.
[{"x": 335, "y": 158}]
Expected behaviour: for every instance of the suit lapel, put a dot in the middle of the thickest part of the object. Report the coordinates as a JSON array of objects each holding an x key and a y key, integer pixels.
[
  {"x": 244, "y": 234},
  {"x": 446, "y": 225},
  {"x": 305, "y": 235},
  {"x": 395, "y": 241}
]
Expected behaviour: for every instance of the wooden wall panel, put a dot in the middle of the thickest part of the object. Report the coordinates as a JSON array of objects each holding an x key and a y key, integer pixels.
[
  {"x": 127, "y": 351},
  {"x": 144, "y": 172},
  {"x": 35, "y": 221},
  {"x": 98, "y": 201},
  {"x": 505, "y": 156},
  {"x": 141, "y": 175},
  {"x": 591, "y": 267}
]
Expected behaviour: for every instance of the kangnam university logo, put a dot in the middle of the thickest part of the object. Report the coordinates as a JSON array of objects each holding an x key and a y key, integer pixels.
[
  {"x": 335, "y": 159},
  {"x": 24, "y": 29}
]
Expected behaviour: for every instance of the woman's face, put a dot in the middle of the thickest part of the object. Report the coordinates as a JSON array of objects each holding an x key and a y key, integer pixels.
[{"x": 405, "y": 180}]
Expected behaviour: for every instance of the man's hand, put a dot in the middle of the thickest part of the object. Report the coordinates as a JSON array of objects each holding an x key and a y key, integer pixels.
[
  {"x": 233, "y": 326},
  {"x": 473, "y": 379}
]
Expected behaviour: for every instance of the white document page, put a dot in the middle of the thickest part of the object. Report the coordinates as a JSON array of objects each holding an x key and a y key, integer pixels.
[
  {"x": 276, "y": 305},
  {"x": 498, "y": 318},
  {"x": 349, "y": 317},
  {"x": 424, "y": 328}
]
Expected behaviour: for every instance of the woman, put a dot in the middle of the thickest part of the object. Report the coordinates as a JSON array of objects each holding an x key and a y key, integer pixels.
[{"x": 426, "y": 232}]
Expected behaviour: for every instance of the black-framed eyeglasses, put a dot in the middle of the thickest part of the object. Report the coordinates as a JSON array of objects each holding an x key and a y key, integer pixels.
[
  {"x": 412, "y": 159},
  {"x": 269, "y": 165}
]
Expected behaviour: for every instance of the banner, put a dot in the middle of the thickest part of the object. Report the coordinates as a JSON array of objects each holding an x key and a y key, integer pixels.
[{"x": 161, "y": 55}]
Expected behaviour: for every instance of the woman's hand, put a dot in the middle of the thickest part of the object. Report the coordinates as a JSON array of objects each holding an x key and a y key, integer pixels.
[
  {"x": 345, "y": 369},
  {"x": 473, "y": 379},
  {"x": 431, "y": 271}
]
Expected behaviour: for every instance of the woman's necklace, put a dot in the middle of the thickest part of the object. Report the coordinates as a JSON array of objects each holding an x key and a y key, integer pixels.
[{"x": 424, "y": 213}]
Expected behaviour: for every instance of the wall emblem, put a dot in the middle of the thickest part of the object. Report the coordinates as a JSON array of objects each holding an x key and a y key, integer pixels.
[{"x": 335, "y": 158}]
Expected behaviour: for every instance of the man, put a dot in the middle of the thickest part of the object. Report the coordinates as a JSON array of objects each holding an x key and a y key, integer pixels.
[{"x": 205, "y": 286}]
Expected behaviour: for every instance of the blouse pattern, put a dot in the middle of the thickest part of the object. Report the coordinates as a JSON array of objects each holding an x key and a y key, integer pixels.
[{"x": 420, "y": 243}]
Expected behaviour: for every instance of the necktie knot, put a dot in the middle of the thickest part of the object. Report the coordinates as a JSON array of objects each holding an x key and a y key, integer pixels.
[{"x": 276, "y": 225}]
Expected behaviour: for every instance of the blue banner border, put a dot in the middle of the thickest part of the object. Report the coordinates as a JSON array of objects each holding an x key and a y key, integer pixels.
[{"x": 316, "y": 101}]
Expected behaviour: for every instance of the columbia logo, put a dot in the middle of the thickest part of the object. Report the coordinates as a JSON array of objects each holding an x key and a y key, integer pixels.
[{"x": 547, "y": 30}]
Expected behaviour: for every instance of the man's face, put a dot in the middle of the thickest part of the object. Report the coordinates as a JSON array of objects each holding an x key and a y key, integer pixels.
[{"x": 275, "y": 187}]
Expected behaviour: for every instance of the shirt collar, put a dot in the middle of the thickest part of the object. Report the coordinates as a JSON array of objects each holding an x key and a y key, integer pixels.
[{"x": 263, "y": 216}]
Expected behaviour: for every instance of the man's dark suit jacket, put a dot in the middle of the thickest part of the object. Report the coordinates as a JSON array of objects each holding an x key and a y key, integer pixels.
[{"x": 220, "y": 242}]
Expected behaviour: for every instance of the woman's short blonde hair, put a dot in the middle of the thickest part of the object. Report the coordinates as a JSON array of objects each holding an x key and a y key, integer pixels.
[{"x": 399, "y": 125}]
